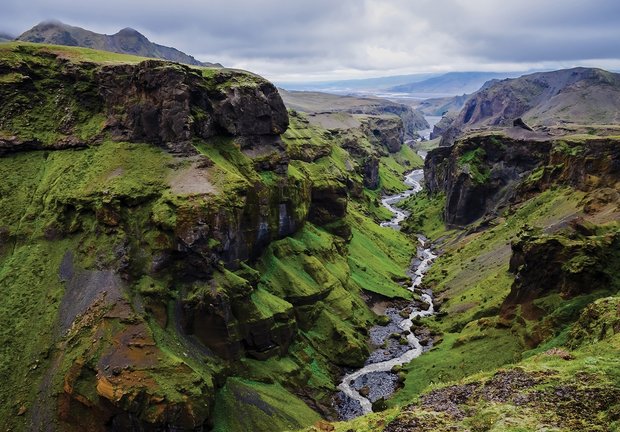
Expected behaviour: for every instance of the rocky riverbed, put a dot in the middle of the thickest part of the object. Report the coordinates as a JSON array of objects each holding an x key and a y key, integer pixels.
[{"x": 397, "y": 342}]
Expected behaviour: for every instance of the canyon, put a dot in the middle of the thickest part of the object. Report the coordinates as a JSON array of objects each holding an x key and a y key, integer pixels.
[{"x": 184, "y": 248}]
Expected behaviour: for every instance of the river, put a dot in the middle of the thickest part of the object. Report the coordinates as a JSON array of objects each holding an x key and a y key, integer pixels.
[{"x": 360, "y": 388}]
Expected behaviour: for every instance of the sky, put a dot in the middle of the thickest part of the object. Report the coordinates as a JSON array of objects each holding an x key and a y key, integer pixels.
[{"x": 311, "y": 40}]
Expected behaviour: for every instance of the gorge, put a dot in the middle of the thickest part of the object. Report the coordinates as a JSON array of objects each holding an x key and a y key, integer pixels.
[{"x": 179, "y": 250}]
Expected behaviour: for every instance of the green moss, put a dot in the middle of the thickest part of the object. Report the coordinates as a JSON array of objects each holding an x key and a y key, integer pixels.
[
  {"x": 378, "y": 257},
  {"x": 31, "y": 292},
  {"x": 425, "y": 215},
  {"x": 473, "y": 162},
  {"x": 392, "y": 169}
]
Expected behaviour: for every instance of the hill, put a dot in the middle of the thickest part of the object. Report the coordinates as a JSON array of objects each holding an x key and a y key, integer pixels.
[
  {"x": 578, "y": 100},
  {"x": 126, "y": 41}
]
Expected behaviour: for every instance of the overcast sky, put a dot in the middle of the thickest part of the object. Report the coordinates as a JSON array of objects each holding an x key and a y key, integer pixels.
[{"x": 302, "y": 40}]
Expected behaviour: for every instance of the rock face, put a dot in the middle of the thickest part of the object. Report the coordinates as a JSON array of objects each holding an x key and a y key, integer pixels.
[
  {"x": 152, "y": 101},
  {"x": 443, "y": 125},
  {"x": 573, "y": 266},
  {"x": 126, "y": 41},
  {"x": 547, "y": 101},
  {"x": 386, "y": 131},
  {"x": 481, "y": 174},
  {"x": 171, "y": 104}
]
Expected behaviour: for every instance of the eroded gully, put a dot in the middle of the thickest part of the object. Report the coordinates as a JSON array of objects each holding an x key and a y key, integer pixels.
[{"x": 376, "y": 380}]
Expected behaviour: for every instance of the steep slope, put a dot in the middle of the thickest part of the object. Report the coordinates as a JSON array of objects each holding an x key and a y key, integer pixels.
[
  {"x": 579, "y": 100},
  {"x": 190, "y": 252},
  {"x": 322, "y": 103},
  {"x": 126, "y": 41}
]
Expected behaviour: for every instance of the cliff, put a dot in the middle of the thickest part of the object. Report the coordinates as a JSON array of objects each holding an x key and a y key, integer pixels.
[
  {"x": 182, "y": 242},
  {"x": 316, "y": 102},
  {"x": 480, "y": 175}
]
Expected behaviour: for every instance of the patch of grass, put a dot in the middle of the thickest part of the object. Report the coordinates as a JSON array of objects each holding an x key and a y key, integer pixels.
[
  {"x": 378, "y": 257},
  {"x": 450, "y": 361},
  {"x": 426, "y": 215},
  {"x": 472, "y": 162}
]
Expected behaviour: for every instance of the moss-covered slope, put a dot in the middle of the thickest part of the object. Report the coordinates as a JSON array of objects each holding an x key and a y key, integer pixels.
[{"x": 172, "y": 252}]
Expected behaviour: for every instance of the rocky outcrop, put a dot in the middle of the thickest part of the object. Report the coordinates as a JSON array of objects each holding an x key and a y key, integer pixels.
[
  {"x": 572, "y": 267},
  {"x": 385, "y": 131},
  {"x": 443, "y": 125},
  {"x": 152, "y": 101},
  {"x": 412, "y": 119},
  {"x": 481, "y": 174},
  {"x": 169, "y": 103}
]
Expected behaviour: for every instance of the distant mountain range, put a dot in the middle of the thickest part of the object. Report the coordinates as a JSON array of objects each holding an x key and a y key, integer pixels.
[
  {"x": 452, "y": 83},
  {"x": 126, "y": 41},
  {"x": 356, "y": 85},
  {"x": 429, "y": 85},
  {"x": 4, "y": 37},
  {"x": 578, "y": 100}
]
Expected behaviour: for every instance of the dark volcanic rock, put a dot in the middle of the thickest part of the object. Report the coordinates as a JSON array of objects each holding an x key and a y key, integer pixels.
[
  {"x": 387, "y": 131},
  {"x": 479, "y": 174},
  {"x": 572, "y": 267},
  {"x": 171, "y": 104}
]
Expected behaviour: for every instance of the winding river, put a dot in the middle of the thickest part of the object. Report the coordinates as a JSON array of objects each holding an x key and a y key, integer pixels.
[{"x": 375, "y": 380}]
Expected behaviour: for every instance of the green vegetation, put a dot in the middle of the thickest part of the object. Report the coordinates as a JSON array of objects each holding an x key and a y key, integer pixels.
[
  {"x": 472, "y": 280},
  {"x": 472, "y": 162},
  {"x": 425, "y": 215},
  {"x": 248, "y": 405},
  {"x": 393, "y": 168}
]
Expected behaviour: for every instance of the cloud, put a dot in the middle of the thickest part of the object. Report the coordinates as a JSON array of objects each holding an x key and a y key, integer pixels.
[{"x": 292, "y": 40}]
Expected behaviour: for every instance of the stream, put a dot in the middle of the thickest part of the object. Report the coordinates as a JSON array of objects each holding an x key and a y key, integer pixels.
[{"x": 360, "y": 388}]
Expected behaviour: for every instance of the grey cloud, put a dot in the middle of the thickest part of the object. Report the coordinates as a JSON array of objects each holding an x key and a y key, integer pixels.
[{"x": 322, "y": 38}]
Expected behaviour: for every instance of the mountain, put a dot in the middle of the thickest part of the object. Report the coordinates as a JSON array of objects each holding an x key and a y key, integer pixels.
[
  {"x": 356, "y": 85},
  {"x": 575, "y": 100},
  {"x": 126, "y": 41},
  {"x": 323, "y": 103},
  {"x": 451, "y": 83},
  {"x": 5, "y": 37}
]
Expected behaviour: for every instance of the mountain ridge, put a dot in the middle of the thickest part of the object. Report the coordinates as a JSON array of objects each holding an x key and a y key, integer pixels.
[
  {"x": 125, "y": 41},
  {"x": 576, "y": 100}
]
